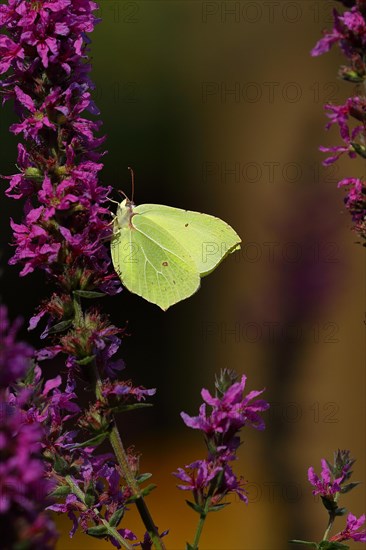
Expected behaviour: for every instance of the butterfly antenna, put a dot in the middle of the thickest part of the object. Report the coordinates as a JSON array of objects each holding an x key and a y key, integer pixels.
[
  {"x": 123, "y": 193},
  {"x": 132, "y": 181}
]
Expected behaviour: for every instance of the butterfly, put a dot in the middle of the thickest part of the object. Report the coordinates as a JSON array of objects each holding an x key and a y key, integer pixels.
[{"x": 161, "y": 252}]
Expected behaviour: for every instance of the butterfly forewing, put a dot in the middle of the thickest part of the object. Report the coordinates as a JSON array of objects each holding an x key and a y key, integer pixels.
[
  {"x": 153, "y": 264},
  {"x": 205, "y": 238}
]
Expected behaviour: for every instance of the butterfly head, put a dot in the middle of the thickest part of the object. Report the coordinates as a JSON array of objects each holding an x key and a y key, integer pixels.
[{"x": 124, "y": 214}]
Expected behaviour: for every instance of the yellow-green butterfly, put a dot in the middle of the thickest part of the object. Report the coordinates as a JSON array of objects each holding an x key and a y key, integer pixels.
[{"x": 161, "y": 252}]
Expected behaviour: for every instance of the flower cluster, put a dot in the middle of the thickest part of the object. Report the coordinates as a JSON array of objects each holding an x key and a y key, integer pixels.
[
  {"x": 332, "y": 477},
  {"x": 351, "y": 531},
  {"x": 332, "y": 483},
  {"x": 64, "y": 232},
  {"x": 88, "y": 486},
  {"x": 94, "y": 493},
  {"x": 349, "y": 32},
  {"x": 23, "y": 484},
  {"x": 212, "y": 479},
  {"x": 43, "y": 57}
]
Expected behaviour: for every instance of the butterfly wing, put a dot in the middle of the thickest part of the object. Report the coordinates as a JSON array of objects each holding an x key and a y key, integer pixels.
[
  {"x": 153, "y": 264},
  {"x": 207, "y": 239}
]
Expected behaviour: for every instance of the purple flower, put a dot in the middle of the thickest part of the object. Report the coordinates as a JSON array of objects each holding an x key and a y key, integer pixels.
[
  {"x": 212, "y": 479},
  {"x": 197, "y": 475},
  {"x": 34, "y": 247},
  {"x": 230, "y": 412},
  {"x": 38, "y": 119},
  {"x": 100, "y": 484},
  {"x": 15, "y": 356},
  {"x": 10, "y": 52},
  {"x": 356, "y": 201},
  {"x": 349, "y": 32},
  {"x": 325, "y": 485},
  {"x": 354, "y": 22},
  {"x": 351, "y": 532},
  {"x": 330, "y": 38},
  {"x": 339, "y": 114},
  {"x": 124, "y": 389},
  {"x": 147, "y": 543},
  {"x": 66, "y": 225}
]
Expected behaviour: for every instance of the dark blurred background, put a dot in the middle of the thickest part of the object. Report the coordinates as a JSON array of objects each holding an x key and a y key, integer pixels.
[{"x": 218, "y": 107}]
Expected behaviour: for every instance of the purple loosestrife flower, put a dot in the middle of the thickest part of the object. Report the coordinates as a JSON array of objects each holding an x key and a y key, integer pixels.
[
  {"x": 355, "y": 202},
  {"x": 66, "y": 223},
  {"x": 103, "y": 495},
  {"x": 350, "y": 33},
  {"x": 64, "y": 233},
  {"x": 97, "y": 339},
  {"x": 333, "y": 480},
  {"x": 124, "y": 390},
  {"x": 97, "y": 491},
  {"x": 332, "y": 483},
  {"x": 230, "y": 411},
  {"x": 351, "y": 532},
  {"x": 325, "y": 485},
  {"x": 212, "y": 479}
]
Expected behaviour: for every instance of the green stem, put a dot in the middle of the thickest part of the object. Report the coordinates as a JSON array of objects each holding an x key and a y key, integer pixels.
[
  {"x": 201, "y": 523},
  {"x": 199, "y": 531},
  {"x": 111, "y": 530},
  {"x": 116, "y": 443},
  {"x": 331, "y": 519},
  {"x": 329, "y": 526},
  {"x": 120, "y": 453}
]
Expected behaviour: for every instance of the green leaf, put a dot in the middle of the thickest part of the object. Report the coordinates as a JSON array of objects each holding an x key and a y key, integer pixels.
[
  {"x": 352, "y": 76},
  {"x": 147, "y": 490},
  {"x": 196, "y": 507},
  {"x": 340, "y": 511},
  {"x": 305, "y": 542},
  {"x": 116, "y": 518},
  {"x": 190, "y": 547},
  {"x": 60, "y": 466},
  {"x": 93, "y": 442},
  {"x": 99, "y": 531},
  {"x": 360, "y": 149},
  {"x": 60, "y": 327},
  {"x": 90, "y": 294},
  {"x": 330, "y": 505},
  {"x": 61, "y": 491},
  {"x": 90, "y": 495},
  {"x": 349, "y": 486},
  {"x": 86, "y": 360},
  {"x": 329, "y": 545},
  {"x": 218, "y": 507},
  {"x": 29, "y": 378},
  {"x": 143, "y": 477}
]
